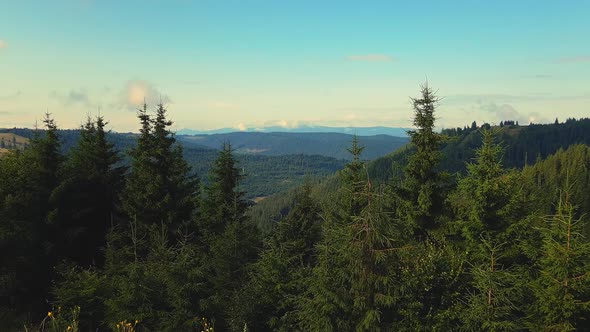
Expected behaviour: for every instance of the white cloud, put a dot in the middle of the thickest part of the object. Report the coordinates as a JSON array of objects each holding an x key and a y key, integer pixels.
[
  {"x": 502, "y": 112},
  {"x": 505, "y": 112},
  {"x": 351, "y": 117},
  {"x": 288, "y": 124},
  {"x": 370, "y": 57},
  {"x": 136, "y": 92},
  {"x": 72, "y": 97},
  {"x": 535, "y": 117},
  {"x": 3, "y": 44}
]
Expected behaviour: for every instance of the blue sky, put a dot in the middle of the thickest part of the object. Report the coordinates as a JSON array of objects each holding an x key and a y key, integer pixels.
[{"x": 260, "y": 63}]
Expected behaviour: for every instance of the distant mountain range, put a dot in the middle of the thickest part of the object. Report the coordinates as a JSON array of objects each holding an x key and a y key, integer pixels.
[
  {"x": 361, "y": 131},
  {"x": 333, "y": 145}
]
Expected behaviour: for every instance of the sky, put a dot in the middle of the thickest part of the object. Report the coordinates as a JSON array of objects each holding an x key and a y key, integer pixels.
[{"x": 251, "y": 64}]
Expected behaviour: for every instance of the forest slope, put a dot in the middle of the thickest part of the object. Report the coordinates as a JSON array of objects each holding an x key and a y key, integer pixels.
[
  {"x": 276, "y": 143},
  {"x": 265, "y": 174},
  {"x": 522, "y": 145}
]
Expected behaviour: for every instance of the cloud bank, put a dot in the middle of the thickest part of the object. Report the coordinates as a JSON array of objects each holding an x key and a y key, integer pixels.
[
  {"x": 505, "y": 112},
  {"x": 72, "y": 98}
]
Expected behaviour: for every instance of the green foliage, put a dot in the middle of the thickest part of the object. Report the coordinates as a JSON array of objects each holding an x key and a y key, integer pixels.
[
  {"x": 312, "y": 144},
  {"x": 159, "y": 188},
  {"x": 563, "y": 286},
  {"x": 487, "y": 203},
  {"x": 523, "y": 144},
  {"x": 546, "y": 181},
  {"x": 152, "y": 270},
  {"x": 346, "y": 253},
  {"x": 484, "y": 191},
  {"x": 488, "y": 199},
  {"x": 224, "y": 202},
  {"x": 490, "y": 305},
  {"x": 229, "y": 241},
  {"x": 270, "y": 300},
  {"x": 161, "y": 289},
  {"x": 269, "y": 211},
  {"x": 265, "y": 174},
  {"x": 351, "y": 286},
  {"x": 84, "y": 203},
  {"x": 83, "y": 288},
  {"x": 27, "y": 179},
  {"x": 431, "y": 284},
  {"x": 422, "y": 191}
]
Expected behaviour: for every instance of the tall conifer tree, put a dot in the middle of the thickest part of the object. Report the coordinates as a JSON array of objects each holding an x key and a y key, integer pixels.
[
  {"x": 160, "y": 189},
  {"x": 352, "y": 288},
  {"x": 151, "y": 259},
  {"x": 84, "y": 204},
  {"x": 422, "y": 192},
  {"x": 430, "y": 269},
  {"x": 27, "y": 180},
  {"x": 563, "y": 285},
  {"x": 277, "y": 281},
  {"x": 230, "y": 241}
]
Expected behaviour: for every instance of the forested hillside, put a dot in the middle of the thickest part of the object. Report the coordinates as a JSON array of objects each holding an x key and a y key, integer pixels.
[
  {"x": 10, "y": 141},
  {"x": 276, "y": 144},
  {"x": 90, "y": 243},
  {"x": 519, "y": 144},
  {"x": 523, "y": 145},
  {"x": 265, "y": 174}
]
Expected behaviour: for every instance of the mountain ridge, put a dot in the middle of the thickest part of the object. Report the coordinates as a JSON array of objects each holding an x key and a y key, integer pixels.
[
  {"x": 361, "y": 131},
  {"x": 333, "y": 145}
]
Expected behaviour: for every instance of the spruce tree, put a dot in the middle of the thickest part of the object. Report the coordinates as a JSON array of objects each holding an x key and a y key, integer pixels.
[
  {"x": 224, "y": 201},
  {"x": 230, "y": 241},
  {"x": 352, "y": 288},
  {"x": 488, "y": 205},
  {"x": 327, "y": 305},
  {"x": 27, "y": 179},
  {"x": 277, "y": 281},
  {"x": 563, "y": 285},
  {"x": 429, "y": 271},
  {"x": 152, "y": 259},
  {"x": 430, "y": 286},
  {"x": 160, "y": 189},
  {"x": 161, "y": 289},
  {"x": 84, "y": 203},
  {"x": 423, "y": 189},
  {"x": 489, "y": 303},
  {"x": 483, "y": 198}
]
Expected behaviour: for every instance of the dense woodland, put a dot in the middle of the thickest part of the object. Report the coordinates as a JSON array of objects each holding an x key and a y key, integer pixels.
[
  {"x": 408, "y": 244},
  {"x": 264, "y": 174},
  {"x": 327, "y": 144}
]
